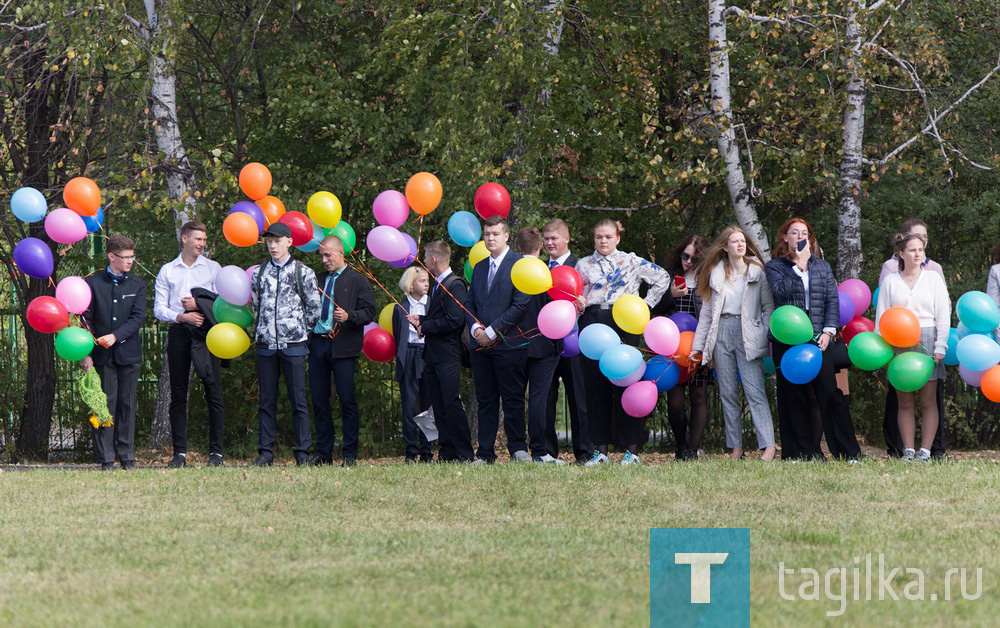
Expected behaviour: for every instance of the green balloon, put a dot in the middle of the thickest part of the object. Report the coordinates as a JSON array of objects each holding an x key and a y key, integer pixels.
[
  {"x": 909, "y": 371},
  {"x": 468, "y": 271},
  {"x": 346, "y": 234},
  {"x": 74, "y": 343},
  {"x": 791, "y": 325},
  {"x": 226, "y": 312},
  {"x": 868, "y": 351}
]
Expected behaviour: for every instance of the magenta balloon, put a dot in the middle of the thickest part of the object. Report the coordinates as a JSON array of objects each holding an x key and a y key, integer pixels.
[
  {"x": 639, "y": 399},
  {"x": 633, "y": 378},
  {"x": 33, "y": 258},
  {"x": 556, "y": 319},
  {"x": 391, "y": 209},
  {"x": 662, "y": 335},
  {"x": 65, "y": 226},
  {"x": 411, "y": 254},
  {"x": 859, "y": 292},
  {"x": 74, "y": 293},
  {"x": 387, "y": 244},
  {"x": 233, "y": 285}
]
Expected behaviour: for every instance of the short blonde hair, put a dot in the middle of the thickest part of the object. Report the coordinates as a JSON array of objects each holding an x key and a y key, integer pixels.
[{"x": 409, "y": 278}]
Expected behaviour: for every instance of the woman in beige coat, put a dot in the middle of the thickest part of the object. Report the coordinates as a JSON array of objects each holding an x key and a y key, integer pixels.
[{"x": 732, "y": 333}]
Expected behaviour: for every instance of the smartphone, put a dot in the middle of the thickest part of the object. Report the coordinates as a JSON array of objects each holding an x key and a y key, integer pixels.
[
  {"x": 802, "y": 243},
  {"x": 679, "y": 282}
]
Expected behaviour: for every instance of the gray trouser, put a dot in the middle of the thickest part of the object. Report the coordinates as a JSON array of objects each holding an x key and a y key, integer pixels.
[
  {"x": 119, "y": 384},
  {"x": 730, "y": 358}
]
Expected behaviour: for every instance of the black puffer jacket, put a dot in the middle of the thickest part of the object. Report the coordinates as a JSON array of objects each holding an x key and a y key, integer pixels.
[{"x": 787, "y": 288}]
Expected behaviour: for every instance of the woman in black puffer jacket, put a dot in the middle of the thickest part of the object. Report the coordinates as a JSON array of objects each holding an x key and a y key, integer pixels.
[{"x": 799, "y": 278}]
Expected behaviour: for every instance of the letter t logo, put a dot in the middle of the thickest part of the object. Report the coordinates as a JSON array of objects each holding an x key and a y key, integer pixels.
[{"x": 701, "y": 573}]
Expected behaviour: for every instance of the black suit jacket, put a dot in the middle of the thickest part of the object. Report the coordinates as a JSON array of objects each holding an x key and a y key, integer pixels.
[
  {"x": 442, "y": 325},
  {"x": 117, "y": 308},
  {"x": 353, "y": 293},
  {"x": 501, "y": 306}
]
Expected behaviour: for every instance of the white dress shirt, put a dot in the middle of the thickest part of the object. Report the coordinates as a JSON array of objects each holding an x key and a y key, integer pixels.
[
  {"x": 417, "y": 308},
  {"x": 175, "y": 281},
  {"x": 496, "y": 261},
  {"x": 561, "y": 259}
]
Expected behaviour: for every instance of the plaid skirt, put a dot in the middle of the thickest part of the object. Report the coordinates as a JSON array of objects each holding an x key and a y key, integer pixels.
[{"x": 928, "y": 336}]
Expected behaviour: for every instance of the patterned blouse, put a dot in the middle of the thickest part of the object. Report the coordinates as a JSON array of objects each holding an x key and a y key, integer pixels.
[{"x": 607, "y": 278}]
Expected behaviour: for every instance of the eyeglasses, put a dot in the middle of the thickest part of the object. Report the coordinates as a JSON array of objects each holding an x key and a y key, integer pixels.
[
  {"x": 796, "y": 232},
  {"x": 127, "y": 258}
]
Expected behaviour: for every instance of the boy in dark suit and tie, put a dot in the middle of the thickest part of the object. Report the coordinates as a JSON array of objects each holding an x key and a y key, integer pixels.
[
  {"x": 494, "y": 310},
  {"x": 116, "y": 313}
]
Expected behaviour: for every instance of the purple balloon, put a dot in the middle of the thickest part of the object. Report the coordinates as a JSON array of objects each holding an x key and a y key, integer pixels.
[
  {"x": 571, "y": 344},
  {"x": 391, "y": 209},
  {"x": 233, "y": 285},
  {"x": 846, "y": 307},
  {"x": 250, "y": 208},
  {"x": 370, "y": 326},
  {"x": 684, "y": 321},
  {"x": 860, "y": 293},
  {"x": 970, "y": 377},
  {"x": 411, "y": 256},
  {"x": 34, "y": 258},
  {"x": 387, "y": 243}
]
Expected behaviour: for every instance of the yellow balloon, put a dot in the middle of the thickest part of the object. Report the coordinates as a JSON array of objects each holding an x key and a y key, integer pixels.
[
  {"x": 530, "y": 275},
  {"x": 324, "y": 209},
  {"x": 227, "y": 341},
  {"x": 478, "y": 253},
  {"x": 631, "y": 313},
  {"x": 385, "y": 317}
]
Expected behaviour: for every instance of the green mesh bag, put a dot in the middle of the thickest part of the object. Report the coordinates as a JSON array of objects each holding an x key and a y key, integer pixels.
[{"x": 93, "y": 395}]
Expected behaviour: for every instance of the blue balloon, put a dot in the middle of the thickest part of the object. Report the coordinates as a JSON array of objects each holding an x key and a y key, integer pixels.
[
  {"x": 596, "y": 338},
  {"x": 663, "y": 371},
  {"x": 620, "y": 361},
  {"x": 250, "y": 208},
  {"x": 964, "y": 331},
  {"x": 977, "y": 352},
  {"x": 464, "y": 228},
  {"x": 801, "y": 363},
  {"x": 951, "y": 357},
  {"x": 95, "y": 222},
  {"x": 28, "y": 204},
  {"x": 684, "y": 321},
  {"x": 312, "y": 245},
  {"x": 875, "y": 298},
  {"x": 978, "y": 311}
]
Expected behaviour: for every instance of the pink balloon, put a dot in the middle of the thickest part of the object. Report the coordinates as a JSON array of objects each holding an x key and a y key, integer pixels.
[
  {"x": 556, "y": 319},
  {"x": 639, "y": 399},
  {"x": 74, "y": 294},
  {"x": 391, "y": 209},
  {"x": 859, "y": 292},
  {"x": 65, "y": 226},
  {"x": 251, "y": 271},
  {"x": 633, "y": 378},
  {"x": 387, "y": 244},
  {"x": 662, "y": 335}
]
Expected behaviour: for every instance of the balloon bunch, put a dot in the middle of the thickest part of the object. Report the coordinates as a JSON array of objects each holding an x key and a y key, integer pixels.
[
  {"x": 975, "y": 350},
  {"x": 801, "y": 363},
  {"x": 68, "y": 225},
  {"x": 227, "y": 339}
]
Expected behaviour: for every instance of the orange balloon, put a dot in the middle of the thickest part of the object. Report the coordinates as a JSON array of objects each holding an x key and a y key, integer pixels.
[
  {"x": 240, "y": 229},
  {"x": 684, "y": 349},
  {"x": 423, "y": 192},
  {"x": 272, "y": 209},
  {"x": 82, "y": 196},
  {"x": 899, "y": 327},
  {"x": 255, "y": 180},
  {"x": 991, "y": 384}
]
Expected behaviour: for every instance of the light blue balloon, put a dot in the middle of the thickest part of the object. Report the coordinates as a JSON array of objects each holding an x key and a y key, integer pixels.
[
  {"x": 801, "y": 363},
  {"x": 951, "y": 357},
  {"x": 464, "y": 228},
  {"x": 964, "y": 331},
  {"x": 95, "y": 222},
  {"x": 978, "y": 311},
  {"x": 313, "y": 245},
  {"x": 596, "y": 338},
  {"x": 977, "y": 352},
  {"x": 618, "y": 362},
  {"x": 28, "y": 204}
]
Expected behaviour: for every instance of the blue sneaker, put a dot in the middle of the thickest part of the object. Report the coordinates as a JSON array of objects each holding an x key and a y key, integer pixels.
[
  {"x": 597, "y": 459},
  {"x": 630, "y": 458}
]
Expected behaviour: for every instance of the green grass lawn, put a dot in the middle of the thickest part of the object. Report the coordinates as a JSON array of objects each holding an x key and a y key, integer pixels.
[{"x": 510, "y": 545}]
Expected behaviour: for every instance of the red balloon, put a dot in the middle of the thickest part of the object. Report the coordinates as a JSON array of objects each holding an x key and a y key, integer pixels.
[
  {"x": 378, "y": 345},
  {"x": 47, "y": 315},
  {"x": 855, "y": 326},
  {"x": 567, "y": 284},
  {"x": 491, "y": 199},
  {"x": 300, "y": 225}
]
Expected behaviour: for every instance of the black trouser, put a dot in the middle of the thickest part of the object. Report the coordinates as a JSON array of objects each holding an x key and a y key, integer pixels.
[
  {"x": 541, "y": 428},
  {"x": 800, "y": 434},
  {"x": 182, "y": 350},
  {"x": 607, "y": 420},
  {"x": 454, "y": 436},
  {"x": 890, "y": 424},
  {"x": 498, "y": 376},
  {"x": 269, "y": 367},
  {"x": 119, "y": 384},
  {"x": 322, "y": 365},
  {"x": 414, "y": 398},
  {"x": 570, "y": 370}
]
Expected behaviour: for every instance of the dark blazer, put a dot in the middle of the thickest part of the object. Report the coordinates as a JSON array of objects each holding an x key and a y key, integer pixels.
[
  {"x": 442, "y": 325},
  {"x": 502, "y": 306},
  {"x": 353, "y": 293},
  {"x": 117, "y": 308},
  {"x": 787, "y": 288},
  {"x": 401, "y": 333}
]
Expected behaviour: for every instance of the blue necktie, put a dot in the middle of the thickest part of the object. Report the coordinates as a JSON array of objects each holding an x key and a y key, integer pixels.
[
  {"x": 493, "y": 273},
  {"x": 552, "y": 264}
]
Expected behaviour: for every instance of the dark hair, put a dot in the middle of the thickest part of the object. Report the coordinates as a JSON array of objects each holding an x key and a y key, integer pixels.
[
  {"x": 899, "y": 242},
  {"x": 497, "y": 219},
  {"x": 438, "y": 249},
  {"x": 118, "y": 243},
  {"x": 781, "y": 247},
  {"x": 528, "y": 241},
  {"x": 700, "y": 243},
  {"x": 907, "y": 225},
  {"x": 193, "y": 225}
]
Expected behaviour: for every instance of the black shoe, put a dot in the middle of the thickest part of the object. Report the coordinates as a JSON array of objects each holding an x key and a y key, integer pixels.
[
  {"x": 107, "y": 466},
  {"x": 939, "y": 456},
  {"x": 348, "y": 462},
  {"x": 302, "y": 461},
  {"x": 318, "y": 461},
  {"x": 264, "y": 460},
  {"x": 215, "y": 460},
  {"x": 128, "y": 464},
  {"x": 427, "y": 459},
  {"x": 179, "y": 460}
]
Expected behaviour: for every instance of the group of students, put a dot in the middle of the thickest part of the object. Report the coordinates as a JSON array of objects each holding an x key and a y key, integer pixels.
[{"x": 443, "y": 324}]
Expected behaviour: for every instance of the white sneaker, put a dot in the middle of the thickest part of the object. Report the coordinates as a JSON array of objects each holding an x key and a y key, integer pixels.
[
  {"x": 548, "y": 459},
  {"x": 478, "y": 462},
  {"x": 597, "y": 459},
  {"x": 630, "y": 458},
  {"x": 521, "y": 456}
]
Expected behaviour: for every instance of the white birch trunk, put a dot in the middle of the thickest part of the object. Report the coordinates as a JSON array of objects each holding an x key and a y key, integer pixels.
[{"x": 849, "y": 254}]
